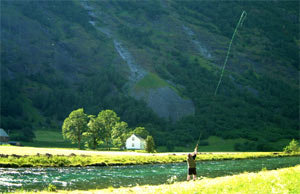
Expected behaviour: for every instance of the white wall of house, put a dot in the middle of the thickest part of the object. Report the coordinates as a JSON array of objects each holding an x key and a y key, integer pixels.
[
  {"x": 4, "y": 138},
  {"x": 136, "y": 143}
]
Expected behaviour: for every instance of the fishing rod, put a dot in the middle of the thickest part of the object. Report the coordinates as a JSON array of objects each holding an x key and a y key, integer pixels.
[{"x": 240, "y": 23}]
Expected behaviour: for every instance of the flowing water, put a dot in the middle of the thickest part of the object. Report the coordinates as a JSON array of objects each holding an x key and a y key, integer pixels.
[{"x": 102, "y": 177}]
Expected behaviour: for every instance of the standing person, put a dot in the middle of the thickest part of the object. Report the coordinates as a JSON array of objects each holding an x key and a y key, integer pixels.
[{"x": 192, "y": 164}]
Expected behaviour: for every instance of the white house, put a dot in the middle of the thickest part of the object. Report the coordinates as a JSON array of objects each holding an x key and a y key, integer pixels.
[
  {"x": 3, "y": 137},
  {"x": 135, "y": 142}
]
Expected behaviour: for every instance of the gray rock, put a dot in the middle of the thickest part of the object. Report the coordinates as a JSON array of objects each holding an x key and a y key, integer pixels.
[{"x": 166, "y": 103}]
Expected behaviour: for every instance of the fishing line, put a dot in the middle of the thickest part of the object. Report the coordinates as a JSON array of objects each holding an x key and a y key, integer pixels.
[{"x": 240, "y": 23}]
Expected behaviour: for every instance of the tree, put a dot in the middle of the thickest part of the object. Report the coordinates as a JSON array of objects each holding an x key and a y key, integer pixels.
[
  {"x": 74, "y": 126},
  {"x": 108, "y": 119},
  {"x": 150, "y": 144},
  {"x": 93, "y": 134},
  {"x": 141, "y": 131},
  {"x": 293, "y": 147},
  {"x": 120, "y": 133}
]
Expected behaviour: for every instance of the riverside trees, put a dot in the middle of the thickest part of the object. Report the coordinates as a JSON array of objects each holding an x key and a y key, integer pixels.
[
  {"x": 74, "y": 126},
  {"x": 94, "y": 130}
]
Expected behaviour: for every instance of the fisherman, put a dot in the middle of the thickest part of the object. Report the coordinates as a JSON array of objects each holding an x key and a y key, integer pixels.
[{"x": 192, "y": 164}]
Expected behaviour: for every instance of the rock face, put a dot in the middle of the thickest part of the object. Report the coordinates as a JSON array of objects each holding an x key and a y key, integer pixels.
[
  {"x": 197, "y": 44},
  {"x": 166, "y": 103}
]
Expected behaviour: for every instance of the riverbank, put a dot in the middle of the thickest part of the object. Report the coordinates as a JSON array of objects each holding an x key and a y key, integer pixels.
[
  {"x": 280, "y": 181},
  {"x": 45, "y": 157}
]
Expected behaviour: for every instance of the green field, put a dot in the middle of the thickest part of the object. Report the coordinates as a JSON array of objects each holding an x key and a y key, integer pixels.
[
  {"x": 54, "y": 139},
  {"x": 282, "y": 181},
  {"x": 49, "y": 138}
]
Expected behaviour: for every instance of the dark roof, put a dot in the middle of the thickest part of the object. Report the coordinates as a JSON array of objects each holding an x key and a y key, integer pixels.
[{"x": 142, "y": 139}]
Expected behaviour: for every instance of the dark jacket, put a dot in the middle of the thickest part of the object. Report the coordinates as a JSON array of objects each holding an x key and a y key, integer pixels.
[{"x": 191, "y": 161}]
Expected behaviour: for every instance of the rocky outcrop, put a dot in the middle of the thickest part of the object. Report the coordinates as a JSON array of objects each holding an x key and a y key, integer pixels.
[{"x": 164, "y": 101}]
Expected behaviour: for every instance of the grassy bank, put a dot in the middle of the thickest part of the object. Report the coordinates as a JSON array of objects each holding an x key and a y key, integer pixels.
[
  {"x": 34, "y": 157},
  {"x": 280, "y": 181}
]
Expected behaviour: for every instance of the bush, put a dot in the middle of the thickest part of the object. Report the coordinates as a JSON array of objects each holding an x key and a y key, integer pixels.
[
  {"x": 52, "y": 188},
  {"x": 293, "y": 147},
  {"x": 150, "y": 144}
]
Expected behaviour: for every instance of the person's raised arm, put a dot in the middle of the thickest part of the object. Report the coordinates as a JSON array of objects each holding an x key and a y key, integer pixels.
[{"x": 196, "y": 149}]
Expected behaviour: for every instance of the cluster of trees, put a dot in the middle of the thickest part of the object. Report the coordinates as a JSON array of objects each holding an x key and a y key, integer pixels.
[{"x": 105, "y": 128}]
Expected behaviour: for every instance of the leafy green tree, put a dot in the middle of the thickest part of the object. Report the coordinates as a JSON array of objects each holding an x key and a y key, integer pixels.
[
  {"x": 141, "y": 131},
  {"x": 74, "y": 126},
  {"x": 120, "y": 133},
  {"x": 292, "y": 147},
  {"x": 107, "y": 118},
  {"x": 150, "y": 146},
  {"x": 93, "y": 134}
]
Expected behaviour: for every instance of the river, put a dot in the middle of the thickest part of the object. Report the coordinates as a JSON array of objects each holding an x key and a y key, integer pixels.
[{"x": 84, "y": 178}]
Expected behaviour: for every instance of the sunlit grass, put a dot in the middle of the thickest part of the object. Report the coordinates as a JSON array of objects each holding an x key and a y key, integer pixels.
[{"x": 282, "y": 181}]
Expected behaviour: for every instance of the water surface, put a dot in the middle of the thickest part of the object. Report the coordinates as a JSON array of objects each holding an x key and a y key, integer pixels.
[{"x": 84, "y": 178}]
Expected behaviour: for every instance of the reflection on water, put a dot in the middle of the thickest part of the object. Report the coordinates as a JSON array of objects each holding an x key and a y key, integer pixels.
[{"x": 102, "y": 177}]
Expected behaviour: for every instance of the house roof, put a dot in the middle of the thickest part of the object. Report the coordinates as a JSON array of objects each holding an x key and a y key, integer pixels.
[
  {"x": 139, "y": 137},
  {"x": 3, "y": 133}
]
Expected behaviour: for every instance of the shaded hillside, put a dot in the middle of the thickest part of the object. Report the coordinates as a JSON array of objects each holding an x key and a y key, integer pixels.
[{"x": 156, "y": 63}]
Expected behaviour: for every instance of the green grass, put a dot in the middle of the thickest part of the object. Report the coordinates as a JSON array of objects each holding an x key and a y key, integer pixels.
[
  {"x": 282, "y": 181},
  {"x": 265, "y": 182},
  {"x": 49, "y": 138},
  {"x": 219, "y": 144},
  {"x": 215, "y": 144},
  {"x": 281, "y": 143},
  {"x": 54, "y": 139},
  {"x": 151, "y": 81}
]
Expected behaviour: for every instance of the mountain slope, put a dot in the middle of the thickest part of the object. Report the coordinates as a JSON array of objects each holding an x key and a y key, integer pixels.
[{"x": 156, "y": 63}]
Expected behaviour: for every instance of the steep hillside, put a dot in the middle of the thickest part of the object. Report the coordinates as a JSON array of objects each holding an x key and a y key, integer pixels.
[{"x": 157, "y": 64}]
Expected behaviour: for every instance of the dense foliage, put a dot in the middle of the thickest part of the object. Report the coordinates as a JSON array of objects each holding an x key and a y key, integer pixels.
[
  {"x": 75, "y": 125},
  {"x": 293, "y": 147},
  {"x": 54, "y": 61},
  {"x": 105, "y": 128},
  {"x": 150, "y": 145}
]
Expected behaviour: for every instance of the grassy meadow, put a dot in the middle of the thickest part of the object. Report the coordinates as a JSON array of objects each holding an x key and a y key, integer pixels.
[
  {"x": 49, "y": 138},
  {"x": 54, "y": 139},
  {"x": 282, "y": 181}
]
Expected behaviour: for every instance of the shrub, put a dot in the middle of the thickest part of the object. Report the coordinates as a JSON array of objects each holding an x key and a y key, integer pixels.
[
  {"x": 52, "y": 188},
  {"x": 293, "y": 147},
  {"x": 150, "y": 144}
]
